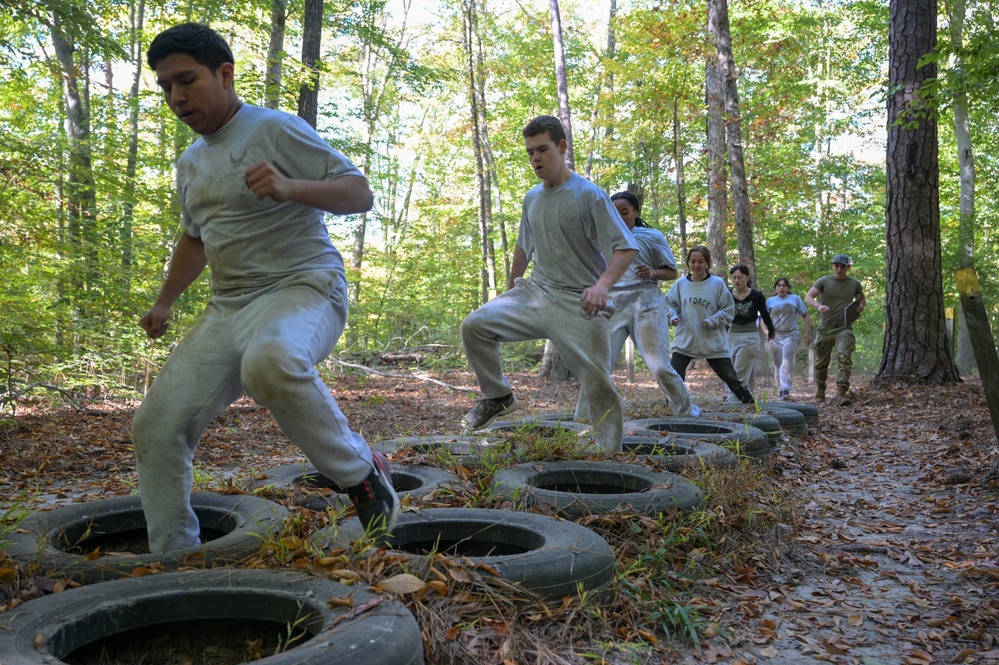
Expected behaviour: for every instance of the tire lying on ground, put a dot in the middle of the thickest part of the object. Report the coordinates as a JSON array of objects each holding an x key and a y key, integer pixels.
[
  {"x": 586, "y": 487},
  {"x": 538, "y": 426},
  {"x": 125, "y": 620},
  {"x": 763, "y": 421},
  {"x": 434, "y": 444},
  {"x": 306, "y": 481},
  {"x": 105, "y": 539},
  {"x": 791, "y": 421},
  {"x": 545, "y": 555},
  {"x": 679, "y": 454},
  {"x": 810, "y": 411},
  {"x": 744, "y": 440}
]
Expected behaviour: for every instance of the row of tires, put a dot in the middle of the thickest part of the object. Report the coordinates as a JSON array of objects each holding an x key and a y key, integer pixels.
[{"x": 545, "y": 555}]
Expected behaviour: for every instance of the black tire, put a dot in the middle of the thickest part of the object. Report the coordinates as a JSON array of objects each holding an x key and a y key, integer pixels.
[
  {"x": 115, "y": 614},
  {"x": 790, "y": 421},
  {"x": 744, "y": 440},
  {"x": 567, "y": 416},
  {"x": 61, "y": 541},
  {"x": 413, "y": 480},
  {"x": 433, "y": 444},
  {"x": 545, "y": 555},
  {"x": 538, "y": 426},
  {"x": 676, "y": 454},
  {"x": 810, "y": 411},
  {"x": 586, "y": 487},
  {"x": 763, "y": 421}
]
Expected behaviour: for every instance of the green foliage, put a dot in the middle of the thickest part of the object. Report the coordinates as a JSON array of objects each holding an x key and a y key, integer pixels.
[{"x": 395, "y": 99}]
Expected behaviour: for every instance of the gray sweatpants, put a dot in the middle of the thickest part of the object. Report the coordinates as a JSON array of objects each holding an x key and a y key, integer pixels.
[
  {"x": 745, "y": 348},
  {"x": 784, "y": 351},
  {"x": 265, "y": 344},
  {"x": 530, "y": 311},
  {"x": 641, "y": 315}
]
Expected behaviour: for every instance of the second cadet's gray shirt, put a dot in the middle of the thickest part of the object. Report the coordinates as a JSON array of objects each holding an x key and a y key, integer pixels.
[{"x": 568, "y": 231}]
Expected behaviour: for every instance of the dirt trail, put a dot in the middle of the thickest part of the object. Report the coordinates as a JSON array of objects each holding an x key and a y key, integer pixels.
[{"x": 897, "y": 559}]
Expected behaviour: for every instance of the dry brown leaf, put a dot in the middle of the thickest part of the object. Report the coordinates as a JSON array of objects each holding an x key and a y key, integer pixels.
[{"x": 401, "y": 584}]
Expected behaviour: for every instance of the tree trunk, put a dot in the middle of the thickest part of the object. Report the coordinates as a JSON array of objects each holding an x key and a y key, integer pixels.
[
  {"x": 681, "y": 194},
  {"x": 607, "y": 84},
  {"x": 481, "y": 175},
  {"x": 718, "y": 24},
  {"x": 915, "y": 344},
  {"x": 375, "y": 83},
  {"x": 80, "y": 188},
  {"x": 561, "y": 81},
  {"x": 717, "y": 171},
  {"x": 492, "y": 182},
  {"x": 553, "y": 368},
  {"x": 275, "y": 54},
  {"x": 137, "y": 11},
  {"x": 312, "y": 36},
  {"x": 965, "y": 356}
]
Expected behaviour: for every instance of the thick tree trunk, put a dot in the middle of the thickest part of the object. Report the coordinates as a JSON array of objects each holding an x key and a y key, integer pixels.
[
  {"x": 717, "y": 170},
  {"x": 915, "y": 344},
  {"x": 719, "y": 26},
  {"x": 275, "y": 54},
  {"x": 312, "y": 36}
]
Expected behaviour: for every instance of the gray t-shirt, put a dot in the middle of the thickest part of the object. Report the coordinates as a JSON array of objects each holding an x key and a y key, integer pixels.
[
  {"x": 653, "y": 251},
  {"x": 785, "y": 312},
  {"x": 568, "y": 230},
  {"x": 250, "y": 243}
]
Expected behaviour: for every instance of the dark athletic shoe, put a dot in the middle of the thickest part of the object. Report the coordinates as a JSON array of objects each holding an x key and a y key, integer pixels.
[
  {"x": 375, "y": 499},
  {"x": 488, "y": 410}
]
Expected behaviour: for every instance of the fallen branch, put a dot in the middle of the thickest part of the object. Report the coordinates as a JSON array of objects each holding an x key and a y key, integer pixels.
[
  {"x": 12, "y": 397},
  {"x": 368, "y": 370}
]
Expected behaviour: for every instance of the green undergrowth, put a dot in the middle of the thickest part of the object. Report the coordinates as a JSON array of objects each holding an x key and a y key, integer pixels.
[{"x": 669, "y": 565}]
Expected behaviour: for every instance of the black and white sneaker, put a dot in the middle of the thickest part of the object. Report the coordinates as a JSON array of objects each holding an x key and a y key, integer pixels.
[
  {"x": 785, "y": 395},
  {"x": 375, "y": 499},
  {"x": 488, "y": 410}
]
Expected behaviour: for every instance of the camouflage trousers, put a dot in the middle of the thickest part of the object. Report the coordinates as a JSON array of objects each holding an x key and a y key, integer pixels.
[{"x": 844, "y": 341}]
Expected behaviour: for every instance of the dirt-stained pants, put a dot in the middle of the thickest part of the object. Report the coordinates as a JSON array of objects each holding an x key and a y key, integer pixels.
[
  {"x": 531, "y": 311},
  {"x": 265, "y": 344},
  {"x": 641, "y": 315}
]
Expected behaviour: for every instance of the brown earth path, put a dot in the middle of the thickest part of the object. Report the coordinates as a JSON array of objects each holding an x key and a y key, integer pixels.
[{"x": 895, "y": 560}]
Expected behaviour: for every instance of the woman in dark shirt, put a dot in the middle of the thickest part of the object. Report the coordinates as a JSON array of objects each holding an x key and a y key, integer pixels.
[{"x": 743, "y": 335}]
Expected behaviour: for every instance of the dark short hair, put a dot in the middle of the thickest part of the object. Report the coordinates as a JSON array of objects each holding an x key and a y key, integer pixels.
[
  {"x": 785, "y": 280},
  {"x": 194, "y": 39},
  {"x": 703, "y": 250},
  {"x": 546, "y": 124}
]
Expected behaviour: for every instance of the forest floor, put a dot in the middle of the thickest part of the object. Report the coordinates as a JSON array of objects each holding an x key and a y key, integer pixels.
[{"x": 893, "y": 557}]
